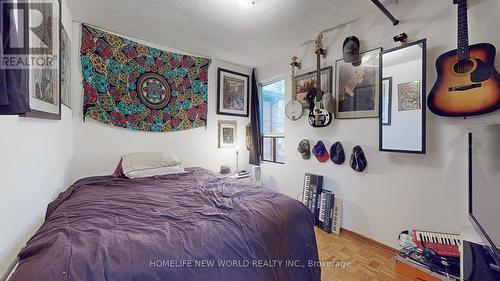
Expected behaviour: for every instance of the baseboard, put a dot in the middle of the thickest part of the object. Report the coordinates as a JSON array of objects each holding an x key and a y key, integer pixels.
[{"x": 370, "y": 241}]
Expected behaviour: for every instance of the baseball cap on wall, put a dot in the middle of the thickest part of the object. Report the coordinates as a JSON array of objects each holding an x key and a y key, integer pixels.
[
  {"x": 304, "y": 149},
  {"x": 350, "y": 49},
  {"x": 337, "y": 154},
  {"x": 358, "y": 159},
  {"x": 320, "y": 151}
]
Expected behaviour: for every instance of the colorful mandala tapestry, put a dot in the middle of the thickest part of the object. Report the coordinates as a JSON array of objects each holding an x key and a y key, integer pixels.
[{"x": 133, "y": 86}]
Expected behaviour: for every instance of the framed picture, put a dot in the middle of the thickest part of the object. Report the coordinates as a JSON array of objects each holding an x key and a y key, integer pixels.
[
  {"x": 307, "y": 81},
  {"x": 233, "y": 93},
  {"x": 45, "y": 49},
  {"x": 227, "y": 134},
  {"x": 409, "y": 96},
  {"x": 386, "y": 101},
  {"x": 65, "y": 69},
  {"x": 357, "y": 87}
]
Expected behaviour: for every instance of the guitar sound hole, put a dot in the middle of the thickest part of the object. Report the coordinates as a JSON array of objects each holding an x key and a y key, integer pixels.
[{"x": 463, "y": 66}]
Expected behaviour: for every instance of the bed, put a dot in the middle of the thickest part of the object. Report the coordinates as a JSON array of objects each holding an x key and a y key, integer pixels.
[{"x": 192, "y": 226}]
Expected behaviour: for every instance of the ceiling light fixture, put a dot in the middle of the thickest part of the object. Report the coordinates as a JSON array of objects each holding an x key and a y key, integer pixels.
[{"x": 246, "y": 3}]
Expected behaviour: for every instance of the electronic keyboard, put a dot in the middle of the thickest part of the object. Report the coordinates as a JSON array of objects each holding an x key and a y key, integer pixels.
[
  {"x": 326, "y": 202},
  {"x": 444, "y": 244},
  {"x": 313, "y": 186},
  {"x": 337, "y": 213}
]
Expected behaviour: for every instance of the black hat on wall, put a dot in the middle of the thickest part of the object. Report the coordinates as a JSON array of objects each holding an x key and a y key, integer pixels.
[
  {"x": 304, "y": 149},
  {"x": 337, "y": 154},
  {"x": 358, "y": 160},
  {"x": 350, "y": 49}
]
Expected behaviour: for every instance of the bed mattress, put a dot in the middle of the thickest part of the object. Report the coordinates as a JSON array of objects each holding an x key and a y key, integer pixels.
[{"x": 193, "y": 226}]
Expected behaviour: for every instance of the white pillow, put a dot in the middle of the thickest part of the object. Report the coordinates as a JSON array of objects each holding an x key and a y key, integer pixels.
[
  {"x": 148, "y": 160},
  {"x": 155, "y": 172}
]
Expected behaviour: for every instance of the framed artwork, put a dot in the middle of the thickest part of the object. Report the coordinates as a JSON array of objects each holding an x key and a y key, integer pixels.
[
  {"x": 357, "y": 87},
  {"x": 227, "y": 134},
  {"x": 65, "y": 69},
  {"x": 409, "y": 96},
  {"x": 45, "y": 49},
  {"x": 386, "y": 101},
  {"x": 233, "y": 93},
  {"x": 307, "y": 81}
]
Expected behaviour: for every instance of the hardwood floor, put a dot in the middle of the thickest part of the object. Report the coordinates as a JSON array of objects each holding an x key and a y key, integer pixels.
[{"x": 352, "y": 259}]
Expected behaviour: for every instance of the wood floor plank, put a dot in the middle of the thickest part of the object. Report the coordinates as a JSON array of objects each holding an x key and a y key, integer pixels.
[{"x": 365, "y": 261}]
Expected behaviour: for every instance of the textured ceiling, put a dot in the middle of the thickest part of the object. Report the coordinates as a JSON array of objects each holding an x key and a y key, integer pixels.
[{"x": 231, "y": 30}]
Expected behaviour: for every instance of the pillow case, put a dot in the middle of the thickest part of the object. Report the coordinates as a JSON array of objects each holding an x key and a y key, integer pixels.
[
  {"x": 147, "y": 160},
  {"x": 155, "y": 172},
  {"x": 118, "y": 173}
]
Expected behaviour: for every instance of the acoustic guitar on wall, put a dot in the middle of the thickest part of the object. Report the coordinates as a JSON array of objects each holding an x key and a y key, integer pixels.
[{"x": 468, "y": 83}]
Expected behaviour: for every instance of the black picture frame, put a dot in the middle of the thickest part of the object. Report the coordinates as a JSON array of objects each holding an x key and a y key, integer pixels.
[
  {"x": 389, "y": 104},
  {"x": 423, "y": 150},
  {"x": 246, "y": 78},
  {"x": 38, "y": 113}
]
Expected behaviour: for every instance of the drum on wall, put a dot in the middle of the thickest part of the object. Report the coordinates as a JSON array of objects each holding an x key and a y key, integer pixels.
[{"x": 294, "y": 110}]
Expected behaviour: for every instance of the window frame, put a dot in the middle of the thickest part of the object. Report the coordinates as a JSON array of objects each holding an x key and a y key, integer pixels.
[{"x": 272, "y": 136}]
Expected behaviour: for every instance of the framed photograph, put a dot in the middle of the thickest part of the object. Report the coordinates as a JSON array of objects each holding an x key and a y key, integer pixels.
[
  {"x": 386, "y": 101},
  {"x": 307, "y": 81},
  {"x": 65, "y": 69},
  {"x": 233, "y": 93},
  {"x": 357, "y": 87},
  {"x": 409, "y": 96},
  {"x": 227, "y": 134},
  {"x": 45, "y": 49}
]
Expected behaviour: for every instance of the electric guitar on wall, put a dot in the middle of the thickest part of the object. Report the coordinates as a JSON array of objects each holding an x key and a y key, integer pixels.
[
  {"x": 318, "y": 115},
  {"x": 468, "y": 83}
]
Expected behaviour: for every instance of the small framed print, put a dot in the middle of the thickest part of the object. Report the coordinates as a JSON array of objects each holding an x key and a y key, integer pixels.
[
  {"x": 227, "y": 134},
  {"x": 386, "y": 101},
  {"x": 409, "y": 96},
  {"x": 233, "y": 93},
  {"x": 65, "y": 69}
]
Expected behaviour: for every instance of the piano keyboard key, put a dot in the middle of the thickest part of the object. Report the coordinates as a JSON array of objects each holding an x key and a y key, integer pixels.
[{"x": 443, "y": 243}]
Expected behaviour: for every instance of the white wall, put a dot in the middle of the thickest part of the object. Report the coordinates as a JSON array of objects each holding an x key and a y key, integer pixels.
[
  {"x": 98, "y": 147},
  {"x": 397, "y": 191},
  {"x": 34, "y": 156}
]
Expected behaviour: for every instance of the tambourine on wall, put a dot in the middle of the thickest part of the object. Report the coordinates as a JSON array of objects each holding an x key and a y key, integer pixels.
[{"x": 294, "y": 109}]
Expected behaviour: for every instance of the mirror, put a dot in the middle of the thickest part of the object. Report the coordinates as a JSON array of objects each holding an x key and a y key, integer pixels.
[{"x": 402, "y": 98}]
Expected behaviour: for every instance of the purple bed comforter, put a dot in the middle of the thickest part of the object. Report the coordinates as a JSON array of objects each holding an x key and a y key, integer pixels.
[{"x": 193, "y": 226}]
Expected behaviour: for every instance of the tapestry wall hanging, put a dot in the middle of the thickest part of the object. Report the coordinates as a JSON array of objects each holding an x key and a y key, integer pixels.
[{"x": 133, "y": 86}]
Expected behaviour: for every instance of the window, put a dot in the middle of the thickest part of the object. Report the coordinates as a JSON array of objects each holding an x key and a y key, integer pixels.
[{"x": 272, "y": 118}]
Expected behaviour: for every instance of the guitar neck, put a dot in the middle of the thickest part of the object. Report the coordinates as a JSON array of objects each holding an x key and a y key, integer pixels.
[
  {"x": 463, "y": 51},
  {"x": 318, "y": 74}
]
